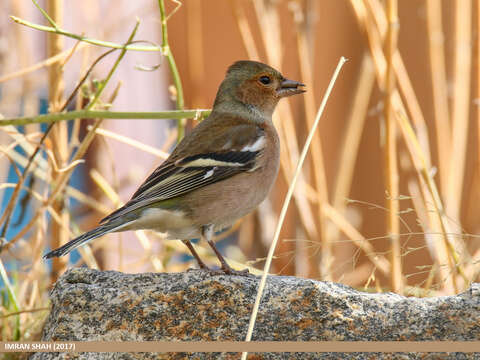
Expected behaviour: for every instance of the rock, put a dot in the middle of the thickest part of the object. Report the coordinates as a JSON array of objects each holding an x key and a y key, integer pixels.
[{"x": 90, "y": 305}]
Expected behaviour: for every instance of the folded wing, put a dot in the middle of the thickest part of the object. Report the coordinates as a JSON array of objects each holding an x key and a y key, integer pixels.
[{"x": 178, "y": 177}]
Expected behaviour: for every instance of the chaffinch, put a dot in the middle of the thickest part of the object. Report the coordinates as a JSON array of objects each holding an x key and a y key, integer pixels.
[{"x": 218, "y": 173}]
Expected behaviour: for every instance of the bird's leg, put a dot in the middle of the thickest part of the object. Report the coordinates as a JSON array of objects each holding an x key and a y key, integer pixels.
[
  {"x": 195, "y": 255},
  {"x": 207, "y": 234}
]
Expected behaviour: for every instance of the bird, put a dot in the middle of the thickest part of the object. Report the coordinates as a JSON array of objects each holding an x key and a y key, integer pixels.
[{"x": 218, "y": 173}]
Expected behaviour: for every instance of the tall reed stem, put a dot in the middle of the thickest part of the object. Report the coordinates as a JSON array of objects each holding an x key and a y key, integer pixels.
[
  {"x": 58, "y": 136},
  {"x": 391, "y": 166},
  {"x": 439, "y": 88},
  {"x": 460, "y": 105}
]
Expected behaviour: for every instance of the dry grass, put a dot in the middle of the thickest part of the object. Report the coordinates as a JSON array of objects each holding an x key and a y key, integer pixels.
[{"x": 429, "y": 138}]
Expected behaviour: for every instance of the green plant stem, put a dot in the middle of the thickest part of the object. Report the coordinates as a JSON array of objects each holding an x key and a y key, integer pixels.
[
  {"x": 103, "y": 114},
  {"x": 173, "y": 68},
  {"x": 96, "y": 42}
]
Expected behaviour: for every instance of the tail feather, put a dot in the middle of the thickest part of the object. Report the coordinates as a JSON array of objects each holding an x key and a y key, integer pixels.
[{"x": 82, "y": 239}]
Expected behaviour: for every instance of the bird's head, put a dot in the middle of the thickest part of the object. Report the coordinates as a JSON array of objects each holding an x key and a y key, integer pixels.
[{"x": 256, "y": 85}]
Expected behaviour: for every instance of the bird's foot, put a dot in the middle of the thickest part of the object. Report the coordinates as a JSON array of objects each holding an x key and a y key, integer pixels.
[
  {"x": 222, "y": 271},
  {"x": 229, "y": 271}
]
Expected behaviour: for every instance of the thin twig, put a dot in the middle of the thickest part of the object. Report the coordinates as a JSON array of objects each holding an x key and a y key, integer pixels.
[
  {"x": 106, "y": 44},
  {"x": 45, "y": 63},
  {"x": 45, "y": 15},
  {"x": 84, "y": 78},
  {"x": 132, "y": 142},
  {"x": 24, "y": 311}
]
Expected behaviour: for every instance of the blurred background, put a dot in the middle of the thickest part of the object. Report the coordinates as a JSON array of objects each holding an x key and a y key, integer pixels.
[{"x": 389, "y": 194}]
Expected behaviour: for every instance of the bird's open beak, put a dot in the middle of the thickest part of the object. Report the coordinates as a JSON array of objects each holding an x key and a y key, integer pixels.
[{"x": 290, "y": 87}]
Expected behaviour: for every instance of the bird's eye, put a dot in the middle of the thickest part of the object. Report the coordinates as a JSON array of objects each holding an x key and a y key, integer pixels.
[{"x": 265, "y": 80}]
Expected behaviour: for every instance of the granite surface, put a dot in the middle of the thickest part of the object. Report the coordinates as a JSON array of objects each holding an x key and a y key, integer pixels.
[{"x": 193, "y": 306}]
